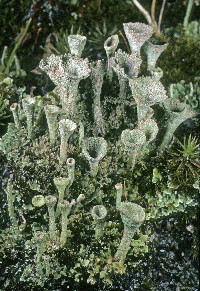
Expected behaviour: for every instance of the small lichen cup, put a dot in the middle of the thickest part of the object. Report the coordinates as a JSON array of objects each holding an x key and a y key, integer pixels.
[
  {"x": 94, "y": 149},
  {"x": 66, "y": 128},
  {"x": 99, "y": 213},
  {"x": 132, "y": 216}
]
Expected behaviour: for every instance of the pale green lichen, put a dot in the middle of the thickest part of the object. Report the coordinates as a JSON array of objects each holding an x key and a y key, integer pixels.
[
  {"x": 94, "y": 149},
  {"x": 99, "y": 213},
  {"x": 132, "y": 216},
  {"x": 137, "y": 33},
  {"x": 50, "y": 202}
]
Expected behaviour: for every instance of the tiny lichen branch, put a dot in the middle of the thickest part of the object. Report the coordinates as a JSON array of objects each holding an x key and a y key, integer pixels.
[
  {"x": 71, "y": 169},
  {"x": 50, "y": 202},
  {"x": 76, "y": 43},
  {"x": 65, "y": 207},
  {"x": 14, "y": 109},
  {"x": 10, "y": 199},
  {"x": 39, "y": 237}
]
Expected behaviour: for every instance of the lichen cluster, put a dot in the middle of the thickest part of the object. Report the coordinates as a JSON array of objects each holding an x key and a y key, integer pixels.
[{"x": 83, "y": 180}]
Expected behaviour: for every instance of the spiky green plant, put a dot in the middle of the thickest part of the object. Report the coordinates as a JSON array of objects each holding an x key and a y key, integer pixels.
[
  {"x": 183, "y": 162},
  {"x": 99, "y": 35}
]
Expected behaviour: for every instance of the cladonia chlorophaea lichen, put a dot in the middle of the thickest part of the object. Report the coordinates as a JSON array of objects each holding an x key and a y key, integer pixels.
[{"x": 105, "y": 152}]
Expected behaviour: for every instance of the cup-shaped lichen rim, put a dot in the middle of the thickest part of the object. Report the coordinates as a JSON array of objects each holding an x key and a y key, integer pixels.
[
  {"x": 70, "y": 162},
  {"x": 59, "y": 181},
  {"x": 150, "y": 129},
  {"x": 111, "y": 43},
  {"x": 132, "y": 211},
  {"x": 39, "y": 235},
  {"x": 138, "y": 29},
  {"x": 13, "y": 107},
  {"x": 77, "y": 37},
  {"x": 177, "y": 107},
  {"x": 28, "y": 101},
  {"x": 50, "y": 200},
  {"x": 147, "y": 91},
  {"x": 100, "y": 151},
  {"x": 154, "y": 44},
  {"x": 51, "y": 109},
  {"x": 99, "y": 212},
  {"x": 38, "y": 200},
  {"x": 125, "y": 65},
  {"x": 67, "y": 127},
  {"x": 64, "y": 204},
  {"x": 118, "y": 186},
  {"x": 133, "y": 138},
  {"x": 77, "y": 43}
]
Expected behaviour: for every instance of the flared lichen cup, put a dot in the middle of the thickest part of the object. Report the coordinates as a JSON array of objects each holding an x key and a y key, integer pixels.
[
  {"x": 137, "y": 33},
  {"x": 133, "y": 140},
  {"x": 76, "y": 44},
  {"x": 111, "y": 44},
  {"x": 178, "y": 112},
  {"x": 126, "y": 66},
  {"x": 99, "y": 213},
  {"x": 150, "y": 129},
  {"x": 146, "y": 91},
  {"x": 132, "y": 216},
  {"x": 153, "y": 49},
  {"x": 94, "y": 149},
  {"x": 38, "y": 200}
]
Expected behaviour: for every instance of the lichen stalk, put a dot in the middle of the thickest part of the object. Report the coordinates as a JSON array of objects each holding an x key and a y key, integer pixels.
[
  {"x": 50, "y": 202},
  {"x": 51, "y": 112},
  {"x": 47, "y": 264},
  {"x": 11, "y": 212},
  {"x": 39, "y": 236},
  {"x": 28, "y": 106},
  {"x": 79, "y": 200},
  {"x": 70, "y": 169},
  {"x": 132, "y": 216},
  {"x": 65, "y": 207},
  {"x": 61, "y": 185},
  {"x": 69, "y": 97},
  {"x": 99, "y": 213},
  {"x": 133, "y": 141},
  {"x": 14, "y": 110},
  {"x": 118, "y": 187},
  {"x": 97, "y": 74}
]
